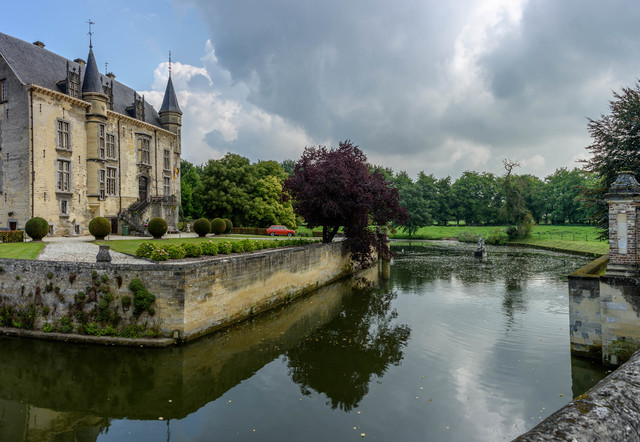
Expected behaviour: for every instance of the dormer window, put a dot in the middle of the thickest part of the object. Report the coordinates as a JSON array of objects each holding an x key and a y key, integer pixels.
[
  {"x": 3, "y": 90},
  {"x": 138, "y": 106}
]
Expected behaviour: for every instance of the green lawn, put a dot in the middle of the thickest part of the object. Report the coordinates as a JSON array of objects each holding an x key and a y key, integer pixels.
[
  {"x": 131, "y": 245},
  {"x": 568, "y": 232},
  {"x": 562, "y": 237},
  {"x": 20, "y": 250}
]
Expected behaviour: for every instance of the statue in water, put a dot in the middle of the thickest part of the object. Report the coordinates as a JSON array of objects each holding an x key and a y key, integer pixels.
[{"x": 481, "y": 252}]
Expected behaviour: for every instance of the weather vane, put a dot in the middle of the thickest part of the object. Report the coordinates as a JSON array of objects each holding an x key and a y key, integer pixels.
[
  {"x": 90, "y": 33},
  {"x": 169, "y": 63}
]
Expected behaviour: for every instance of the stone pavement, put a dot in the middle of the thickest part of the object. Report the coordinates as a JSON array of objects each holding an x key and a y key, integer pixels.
[{"x": 81, "y": 248}]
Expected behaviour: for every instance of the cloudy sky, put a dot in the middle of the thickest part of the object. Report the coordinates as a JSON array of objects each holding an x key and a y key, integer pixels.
[{"x": 427, "y": 85}]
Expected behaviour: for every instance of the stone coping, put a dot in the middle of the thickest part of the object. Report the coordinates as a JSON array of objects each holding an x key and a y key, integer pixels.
[
  {"x": 609, "y": 411},
  {"x": 88, "y": 339}
]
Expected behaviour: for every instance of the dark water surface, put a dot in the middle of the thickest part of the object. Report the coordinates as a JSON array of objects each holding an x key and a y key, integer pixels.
[{"x": 448, "y": 349}]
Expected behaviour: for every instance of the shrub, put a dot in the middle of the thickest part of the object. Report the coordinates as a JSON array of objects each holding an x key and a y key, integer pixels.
[
  {"x": 512, "y": 232},
  {"x": 209, "y": 248},
  {"x": 151, "y": 251},
  {"x": 37, "y": 228},
  {"x": 192, "y": 250},
  {"x": 202, "y": 226},
  {"x": 497, "y": 237},
  {"x": 175, "y": 251},
  {"x": 157, "y": 227},
  {"x": 142, "y": 298},
  {"x": 228, "y": 224},
  {"x": 224, "y": 247},
  {"x": 248, "y": 245},
  {"x": 100, "y": 227},
  {"x": 237, "y": 247},
  {"x": 218, "y": 226},
  {"x": 468, "y": 237}
]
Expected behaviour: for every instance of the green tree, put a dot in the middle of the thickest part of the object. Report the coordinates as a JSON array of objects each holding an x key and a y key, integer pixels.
[
  {"x": 190, "y": 186},
  {"x": 563, "y": 196},
  {"x": 615, "y": 147},
  {"x": 414, "y": 198},
  {"x": 477, "y": 198},
  {"x": 247, "y": 194}
]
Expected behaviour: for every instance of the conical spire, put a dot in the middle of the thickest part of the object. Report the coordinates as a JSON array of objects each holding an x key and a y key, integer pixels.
[
  {"x": 170, "y": 102},
  {"x": 92, "y": 81}
]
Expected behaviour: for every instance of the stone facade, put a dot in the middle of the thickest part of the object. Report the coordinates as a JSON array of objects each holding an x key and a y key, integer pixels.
[{"x": 70, "y": 152}]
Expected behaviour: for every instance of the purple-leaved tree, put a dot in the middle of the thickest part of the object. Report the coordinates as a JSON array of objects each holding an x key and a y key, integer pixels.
[{"x": 336, "y": 188}]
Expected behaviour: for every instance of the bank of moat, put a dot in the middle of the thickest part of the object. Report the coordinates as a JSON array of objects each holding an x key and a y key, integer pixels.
[{"x": 179, "y": 301}]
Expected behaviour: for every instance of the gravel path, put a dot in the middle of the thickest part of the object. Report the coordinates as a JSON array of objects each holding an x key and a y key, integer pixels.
[{"x": 81, "y": 251}]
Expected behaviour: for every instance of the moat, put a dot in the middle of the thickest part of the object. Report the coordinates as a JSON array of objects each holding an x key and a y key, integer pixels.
[{"x": 449, "y": 348}]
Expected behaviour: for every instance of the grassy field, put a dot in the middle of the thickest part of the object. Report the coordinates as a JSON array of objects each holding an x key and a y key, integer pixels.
[
  {"x": 20, "y": 250},
  {"x": 562, "y": 237},
  {"x": 130, "y": 245}
]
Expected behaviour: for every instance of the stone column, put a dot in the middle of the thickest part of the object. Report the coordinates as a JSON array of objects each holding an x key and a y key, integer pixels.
[{"x": 623, "y": 199}]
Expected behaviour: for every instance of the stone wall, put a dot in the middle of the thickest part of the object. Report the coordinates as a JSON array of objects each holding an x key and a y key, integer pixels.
[
  {"x": 604, "y": 314},
  {"x": 191, "y": 298},
  {"x": 609, "y": 411}
]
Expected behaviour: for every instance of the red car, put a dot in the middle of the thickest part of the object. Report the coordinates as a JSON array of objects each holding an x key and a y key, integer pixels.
[{"x": 280, "y": 230}]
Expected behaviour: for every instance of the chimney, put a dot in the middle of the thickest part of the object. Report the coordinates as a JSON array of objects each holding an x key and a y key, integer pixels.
[
  {"x": 111, "y": 75},
  {"x": 80, "y": 61},
  {"x": 39, "y": 44}
]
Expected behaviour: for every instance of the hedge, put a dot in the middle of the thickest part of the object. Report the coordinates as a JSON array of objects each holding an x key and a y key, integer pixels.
[{"x": 11, "y": 235}]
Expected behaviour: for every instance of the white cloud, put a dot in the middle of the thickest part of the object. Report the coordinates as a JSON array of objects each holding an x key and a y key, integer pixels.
[{"x": 218, "y": 118}]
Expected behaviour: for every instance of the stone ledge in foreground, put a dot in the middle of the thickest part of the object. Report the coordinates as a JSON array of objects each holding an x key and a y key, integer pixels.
[
  {"x": 87, "y": 339},
  {"x": 610, "y": 411}
]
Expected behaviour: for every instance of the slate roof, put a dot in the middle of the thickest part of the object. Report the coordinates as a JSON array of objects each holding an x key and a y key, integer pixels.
[
  {"x": 92, "y": 81},
  {"x": 170, "y": 102},
  {"x": 35, "y": 65}
]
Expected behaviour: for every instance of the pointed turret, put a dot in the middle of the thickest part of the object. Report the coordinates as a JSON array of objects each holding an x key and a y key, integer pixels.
[
  {"x": 170, "y": 102},
  {"x": 170, "y": 113},
  {"x": 92, "y": 80}
]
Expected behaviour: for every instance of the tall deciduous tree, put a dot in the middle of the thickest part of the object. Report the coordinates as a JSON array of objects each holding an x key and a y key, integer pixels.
[
  {"x": 336, "y": 188},
  {"x": 615, "y": 147}
]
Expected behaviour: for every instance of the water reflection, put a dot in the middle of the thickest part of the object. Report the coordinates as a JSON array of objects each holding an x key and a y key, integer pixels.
[
  {"x": 57, "y": 391},
  {"x": 342, "y": 358}
]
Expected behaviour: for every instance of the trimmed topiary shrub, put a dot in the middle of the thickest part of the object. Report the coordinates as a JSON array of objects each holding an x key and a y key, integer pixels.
[
  {"x": 202, "y": 226},
  {"x": 157, "y": 227},
  {"x": 229, "y": 225},
  {"x": 37, "y": 228},
  {"x": 218, "y": 226},
  {"x": 100, "y": 227}
]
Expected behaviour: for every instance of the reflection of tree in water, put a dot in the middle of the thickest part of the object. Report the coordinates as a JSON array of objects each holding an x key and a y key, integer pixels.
[{"x": 341, "y": 358}]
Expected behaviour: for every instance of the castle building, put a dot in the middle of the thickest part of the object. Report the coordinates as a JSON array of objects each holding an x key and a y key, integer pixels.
[{"x": 76, "y": 144}]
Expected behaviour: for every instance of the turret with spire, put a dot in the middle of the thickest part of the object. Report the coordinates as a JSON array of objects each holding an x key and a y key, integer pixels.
[
  {"x": 170, "y": 113},
  {"x": 96, "y": 118}
]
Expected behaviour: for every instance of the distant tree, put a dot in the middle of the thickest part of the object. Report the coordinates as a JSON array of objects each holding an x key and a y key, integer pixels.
[
  {"x": 477, "y": 197},
  {"x": 247, "y": 194},
  {"x": 336, "y": 188},
  {"x": 414, "y": 199},
  {"x": 615, "y": 147},
  {"x": 190, "y": 186},
  {"x": 287, "y": 166},
  {"x": 531, "y": 189},
  {"x": 563, "y": 194},
  {"x": 444, "y": 211}
]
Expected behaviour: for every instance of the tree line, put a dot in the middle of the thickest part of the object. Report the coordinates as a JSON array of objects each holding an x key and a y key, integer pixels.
[
  {"x": 249, "y": 194},
  {"x": 483, "y": 198}
]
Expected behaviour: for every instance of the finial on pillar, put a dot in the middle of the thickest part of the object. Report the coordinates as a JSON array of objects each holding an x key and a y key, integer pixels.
[{"x": 90, "y": 33}]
